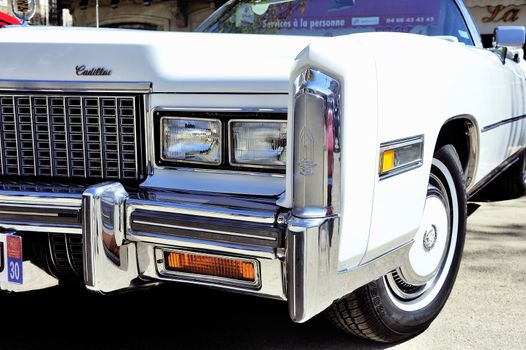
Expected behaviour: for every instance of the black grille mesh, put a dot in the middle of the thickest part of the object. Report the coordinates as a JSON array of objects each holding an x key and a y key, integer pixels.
[{"x": 74, "y": 136}]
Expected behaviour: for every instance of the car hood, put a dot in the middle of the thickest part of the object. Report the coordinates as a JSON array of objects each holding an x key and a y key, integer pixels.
[{"x": 171, "y": 62}]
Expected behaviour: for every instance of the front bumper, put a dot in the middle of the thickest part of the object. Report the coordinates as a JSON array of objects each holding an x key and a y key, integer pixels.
[{"x": 125, "y": 233}]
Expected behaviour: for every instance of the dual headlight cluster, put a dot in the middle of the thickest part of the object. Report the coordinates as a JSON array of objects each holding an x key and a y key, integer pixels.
[{"x": 250, "y": 143}]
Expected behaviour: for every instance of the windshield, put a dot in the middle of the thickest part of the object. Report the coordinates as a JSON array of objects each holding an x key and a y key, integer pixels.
[{"x": 339, "y": 17}]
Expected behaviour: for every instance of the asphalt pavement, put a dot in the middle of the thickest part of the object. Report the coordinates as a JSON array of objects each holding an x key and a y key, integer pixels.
[{"x": 486, "y": 310}]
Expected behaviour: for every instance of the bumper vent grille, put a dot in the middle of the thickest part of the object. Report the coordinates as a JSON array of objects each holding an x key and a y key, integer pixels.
[
  {"x": 73, "y": 136},
  {"x": 66, "y": 254}
]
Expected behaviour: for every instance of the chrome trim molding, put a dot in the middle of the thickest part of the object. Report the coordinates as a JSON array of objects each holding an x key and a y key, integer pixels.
[
  {"x": 201, "y": 245},
  {"x": 75, "y": 86},
  {"x": 31, "y": 203},
  {"x": 220, "y": 109},
  {"x": 503, "y": 122},
  {"x": 393, "y": 145},
  {"x": 205, "y": 230},
  {"x": 317, "y": 145},
  {"x": 200, "y": 210}
]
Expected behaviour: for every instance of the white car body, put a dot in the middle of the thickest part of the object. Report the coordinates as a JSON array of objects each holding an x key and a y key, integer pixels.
[{"x": 394, "y": 87}]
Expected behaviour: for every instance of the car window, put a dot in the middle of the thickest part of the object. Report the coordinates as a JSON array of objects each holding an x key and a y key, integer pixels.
[{"x": 339, "y": 17}]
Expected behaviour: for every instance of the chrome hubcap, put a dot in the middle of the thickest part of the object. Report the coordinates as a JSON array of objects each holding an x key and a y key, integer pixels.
[
  {"x": 430, "y": 238},
  {"x": 416, "y": 283}
]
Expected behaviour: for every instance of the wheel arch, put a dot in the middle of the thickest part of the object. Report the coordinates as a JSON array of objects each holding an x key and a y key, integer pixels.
[{"x": 462, "y": 132}]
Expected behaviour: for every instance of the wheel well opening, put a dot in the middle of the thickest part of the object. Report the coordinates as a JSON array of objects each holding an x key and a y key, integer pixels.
[{"x": 461, "y": 134}]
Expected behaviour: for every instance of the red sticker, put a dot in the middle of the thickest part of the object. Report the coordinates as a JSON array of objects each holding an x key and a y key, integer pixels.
[{"x": 14, "y": 247}]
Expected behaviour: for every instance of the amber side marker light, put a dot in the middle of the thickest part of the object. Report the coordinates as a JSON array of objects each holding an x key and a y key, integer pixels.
[
  {"x": 210, "y": 266},
  {"x": 400, "y": 156}
]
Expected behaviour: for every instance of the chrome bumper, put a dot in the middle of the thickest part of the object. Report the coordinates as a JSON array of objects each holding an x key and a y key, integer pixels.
[{"x": 125, "y": 234}]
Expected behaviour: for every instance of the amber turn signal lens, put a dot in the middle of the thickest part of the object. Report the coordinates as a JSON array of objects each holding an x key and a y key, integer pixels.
[
  {"x": 388, "y": 161},
  {"x": 210, "y": 266}
]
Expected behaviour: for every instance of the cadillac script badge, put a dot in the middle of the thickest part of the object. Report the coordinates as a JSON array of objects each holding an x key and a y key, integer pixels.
[{"x": 82, "y": 70}]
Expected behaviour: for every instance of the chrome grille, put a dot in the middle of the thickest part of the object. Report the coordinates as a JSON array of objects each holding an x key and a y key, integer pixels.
[{"x": 75, "y": 136}]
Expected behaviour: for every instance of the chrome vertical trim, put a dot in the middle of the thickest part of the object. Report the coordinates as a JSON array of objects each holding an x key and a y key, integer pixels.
[
  {"x": 50, "y": 134},
  {"x": 84, "y": 145},
  {"x": 15, "y": 121},
  {"x": 317, "y": 145},
  {"x": 32, "y": 122},
  {"x": 66, "y": 131},
  {"x": 135, "y": 133},
  {"x": 101, "y": 124},
  {"x": 103, "y": 227}
]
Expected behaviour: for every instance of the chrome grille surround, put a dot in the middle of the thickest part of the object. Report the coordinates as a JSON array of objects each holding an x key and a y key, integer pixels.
[{"x": 71, "y": 135}]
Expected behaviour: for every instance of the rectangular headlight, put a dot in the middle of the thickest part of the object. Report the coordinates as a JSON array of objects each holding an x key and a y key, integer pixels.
[
  {"x": 258, "y": 143},
  {"x": 191, "y": 140}
]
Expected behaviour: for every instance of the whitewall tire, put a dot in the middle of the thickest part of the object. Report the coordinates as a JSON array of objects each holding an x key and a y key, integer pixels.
[{"x": 404, "y": 302}]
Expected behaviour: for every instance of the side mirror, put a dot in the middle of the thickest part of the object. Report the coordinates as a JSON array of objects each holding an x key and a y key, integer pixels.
[
  {"x": 508, "y": 42},
  {"x": 509, "y": 36}
]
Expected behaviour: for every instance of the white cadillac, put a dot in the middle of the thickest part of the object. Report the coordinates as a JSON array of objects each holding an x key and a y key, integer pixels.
[{"x": 328, "y": 166}]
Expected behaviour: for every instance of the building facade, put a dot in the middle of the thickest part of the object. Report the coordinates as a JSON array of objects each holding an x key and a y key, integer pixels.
[{"x": 164, "y": 15}]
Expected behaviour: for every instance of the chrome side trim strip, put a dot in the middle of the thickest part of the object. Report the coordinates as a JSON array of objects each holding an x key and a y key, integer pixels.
[
  {"x": 503, "y": 122},
  {"x": 204, "y": 230},
  {"x": 200, "y": 210},
  {"x": 75, "y": 86}
]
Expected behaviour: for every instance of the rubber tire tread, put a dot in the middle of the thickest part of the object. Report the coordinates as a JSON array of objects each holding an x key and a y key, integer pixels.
[{"x": 356, "y": 313}]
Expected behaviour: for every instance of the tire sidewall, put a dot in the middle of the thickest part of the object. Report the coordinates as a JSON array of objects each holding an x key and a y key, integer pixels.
[{"x": 410, "y": 322}]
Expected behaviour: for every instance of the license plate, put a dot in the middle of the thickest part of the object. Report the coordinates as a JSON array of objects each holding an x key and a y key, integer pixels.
[{"x": 11, "y": 259}]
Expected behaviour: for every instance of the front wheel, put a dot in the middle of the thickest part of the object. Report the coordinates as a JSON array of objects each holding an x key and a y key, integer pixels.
[{"x": 405, "y": 301}]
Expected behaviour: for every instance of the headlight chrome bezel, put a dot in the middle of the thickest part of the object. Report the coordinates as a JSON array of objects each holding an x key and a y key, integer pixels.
[{"x": 225, "y": 118}]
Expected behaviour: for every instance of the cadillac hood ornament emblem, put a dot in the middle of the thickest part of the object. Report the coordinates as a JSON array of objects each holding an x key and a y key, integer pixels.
[
  {"x": 24, "y": 10},
  {"x": 306, "y": 152},
  {"x": 82, "y": 70}
]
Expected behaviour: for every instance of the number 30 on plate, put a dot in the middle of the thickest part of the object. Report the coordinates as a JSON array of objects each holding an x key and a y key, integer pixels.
[{"x": 11, "y": 259}]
